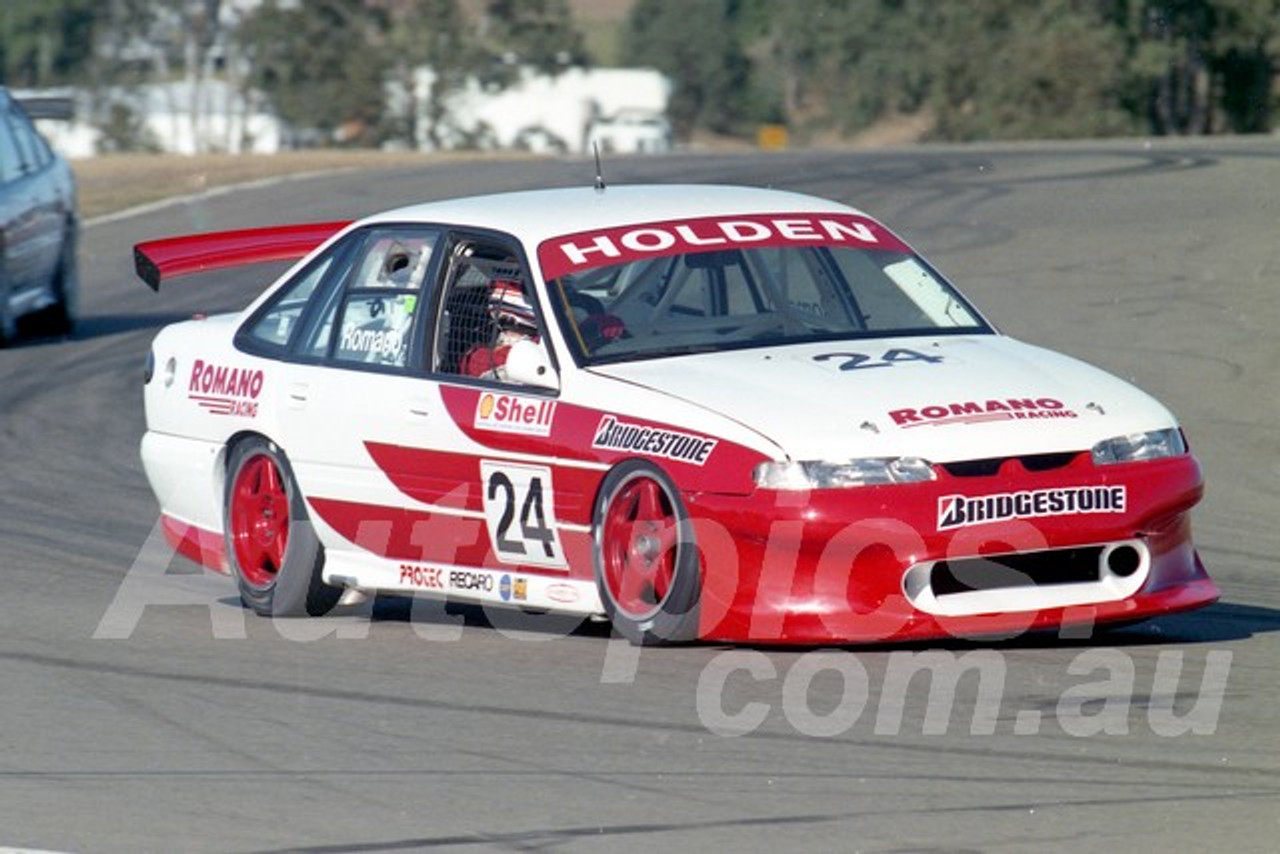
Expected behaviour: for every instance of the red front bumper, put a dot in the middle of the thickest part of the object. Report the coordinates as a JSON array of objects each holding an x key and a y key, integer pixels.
[{"x": 828, "y": 566}]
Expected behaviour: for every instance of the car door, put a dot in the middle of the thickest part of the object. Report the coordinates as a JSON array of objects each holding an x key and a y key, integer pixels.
[
  {"x": 497, "y": 439},
  {"x": 15, "y": 214},
  {"x": 353, "y": 382},
  {"x": 44, "y": 221}
]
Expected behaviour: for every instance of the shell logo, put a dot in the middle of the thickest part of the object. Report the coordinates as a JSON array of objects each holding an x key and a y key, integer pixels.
[{"x": 508, "y": 413}]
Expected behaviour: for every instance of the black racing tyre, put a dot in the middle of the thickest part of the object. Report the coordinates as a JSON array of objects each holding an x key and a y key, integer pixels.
[
  {"x": 272, "y": 549},
  {"x": 8, "y": 326},
  {"x": 646, "y": 557}
]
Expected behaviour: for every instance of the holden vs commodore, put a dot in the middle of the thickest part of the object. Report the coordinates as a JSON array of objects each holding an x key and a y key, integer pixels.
[{"x": 701, "y": 412}]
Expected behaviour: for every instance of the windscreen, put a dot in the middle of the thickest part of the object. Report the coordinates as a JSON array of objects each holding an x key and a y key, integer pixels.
[{"x": 716, "y": 284}]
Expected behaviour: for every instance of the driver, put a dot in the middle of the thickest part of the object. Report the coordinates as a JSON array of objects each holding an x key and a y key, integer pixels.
[{"x": 514, "y": 320}]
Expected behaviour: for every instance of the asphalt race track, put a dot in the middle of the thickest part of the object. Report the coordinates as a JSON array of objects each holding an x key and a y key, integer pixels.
[{"x": 143, "y": 710}]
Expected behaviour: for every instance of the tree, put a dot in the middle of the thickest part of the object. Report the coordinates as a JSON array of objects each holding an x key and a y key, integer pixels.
[
  {"x": 1020, "y": 69},
  {"x": 843, "y": 65},
  {"x": 419, "y": 34},
  {"x": 696, "y": 43},
  {"x": 45, "y": 42},
  {"x": 319, "y": 62},
  {"x": 537, "y": 33},
  {"x": 1201, "y": 66}
]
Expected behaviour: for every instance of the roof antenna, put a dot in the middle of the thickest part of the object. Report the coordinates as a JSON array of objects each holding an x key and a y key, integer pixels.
[{"x": 595, "y": 146}]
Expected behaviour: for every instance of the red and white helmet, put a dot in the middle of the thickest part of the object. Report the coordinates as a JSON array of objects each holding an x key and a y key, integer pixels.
[{"x": 510, "y": 308}]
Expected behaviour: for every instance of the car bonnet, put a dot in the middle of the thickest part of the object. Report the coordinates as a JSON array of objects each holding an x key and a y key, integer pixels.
[{"x": 941, "y": 398}]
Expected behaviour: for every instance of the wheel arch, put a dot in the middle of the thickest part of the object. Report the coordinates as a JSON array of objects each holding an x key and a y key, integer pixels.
[{"x": 675, "y": 617}]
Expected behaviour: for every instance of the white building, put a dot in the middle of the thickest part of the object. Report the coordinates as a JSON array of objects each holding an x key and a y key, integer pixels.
[
  {"x": 623, "y": 109},
  {"x": 176, "y": 118},
  {"x": 212, "y": 116}
]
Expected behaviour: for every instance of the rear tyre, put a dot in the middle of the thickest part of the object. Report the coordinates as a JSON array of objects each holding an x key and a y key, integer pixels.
[
  {"x": 646, "y": 556},
  {"x": 8, "y": 325},
  {"x": 66, "y": 286},
  {"x": 272, "y": 549}
]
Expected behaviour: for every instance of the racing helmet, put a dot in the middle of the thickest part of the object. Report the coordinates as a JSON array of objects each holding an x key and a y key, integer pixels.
[{"x": 510, "y": 308}]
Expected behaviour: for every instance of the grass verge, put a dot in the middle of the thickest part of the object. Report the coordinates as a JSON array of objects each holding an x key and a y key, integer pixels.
[{"x": 116, "y": 182}]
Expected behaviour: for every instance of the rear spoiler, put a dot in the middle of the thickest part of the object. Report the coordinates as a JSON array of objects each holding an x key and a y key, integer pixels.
[{"x": 157, "y": 260}]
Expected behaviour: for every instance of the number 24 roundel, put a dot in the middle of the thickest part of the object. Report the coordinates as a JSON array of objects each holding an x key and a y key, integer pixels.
[{"x": 520, "y": 513}]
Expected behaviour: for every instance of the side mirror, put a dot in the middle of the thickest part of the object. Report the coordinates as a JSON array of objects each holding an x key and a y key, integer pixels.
[{"x": 527, "y": 364}]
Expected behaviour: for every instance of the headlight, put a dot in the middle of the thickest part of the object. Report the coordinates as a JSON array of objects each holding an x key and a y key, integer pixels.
[
  {"x": 820, "y": 474},
  {"x": 1135, "y": 447}
]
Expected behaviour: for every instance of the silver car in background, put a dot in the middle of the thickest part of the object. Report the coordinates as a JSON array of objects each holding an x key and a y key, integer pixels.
[{"x": 38, "y": 227}]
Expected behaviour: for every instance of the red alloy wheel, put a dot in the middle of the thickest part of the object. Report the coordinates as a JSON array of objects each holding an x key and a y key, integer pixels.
[
  {"x": 641, "y": 537},
  {"x": 259, "y": 521}
]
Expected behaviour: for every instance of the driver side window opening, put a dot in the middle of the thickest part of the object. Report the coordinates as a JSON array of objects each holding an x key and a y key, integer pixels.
[{"x": 488, "y": 306}]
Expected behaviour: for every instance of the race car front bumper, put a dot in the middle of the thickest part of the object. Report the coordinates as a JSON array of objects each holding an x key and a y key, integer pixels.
[{"x": 990, "y": 557}]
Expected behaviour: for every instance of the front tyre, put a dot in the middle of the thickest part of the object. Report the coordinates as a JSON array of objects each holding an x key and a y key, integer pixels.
[
  {"x": 646, "y": 556},
  {"x": 272, "y": 550}
]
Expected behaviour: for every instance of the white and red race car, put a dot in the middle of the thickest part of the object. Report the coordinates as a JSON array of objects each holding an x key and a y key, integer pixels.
[{"x": 703, "y": 412}]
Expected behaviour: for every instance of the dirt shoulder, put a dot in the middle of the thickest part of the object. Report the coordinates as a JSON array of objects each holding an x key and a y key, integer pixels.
[{"x": 116, "y": 182}]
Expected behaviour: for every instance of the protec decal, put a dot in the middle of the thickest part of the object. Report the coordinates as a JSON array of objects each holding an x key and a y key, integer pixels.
[
  {"x": 615, "y": 435},
  {"x": 426, "y": 577},
  {"x": 962, "y": 511},
  {"x": 224, "y": 390},
  {"x": 574, "y": 252},
  {"x": 977, "y": 412},
  {"x": 509, "y": 413}
]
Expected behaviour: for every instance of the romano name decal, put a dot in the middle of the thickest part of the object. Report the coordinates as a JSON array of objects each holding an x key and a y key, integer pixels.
[
  {"x": 961, "y": 511},
  {"x": 978, "y": 411},
  {"x": 224, "y": 390},
  {"x": 615, "y": 435}
]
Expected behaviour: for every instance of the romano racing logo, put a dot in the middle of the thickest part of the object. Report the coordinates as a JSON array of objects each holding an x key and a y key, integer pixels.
[
  {"x": 962, "y": 511},
  {"x": 507, "y": 413},
  {"x": 615, "y": 435},
  {"x": 977, "y": 412},
  {"x": 223, "y": 390}
]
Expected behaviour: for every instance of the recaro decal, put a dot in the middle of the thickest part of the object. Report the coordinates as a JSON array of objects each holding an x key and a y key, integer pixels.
[
  {"x": 466, "y": 580},
  {"x": 976, "y": 412},
  {"x": 572, "y": 252}
]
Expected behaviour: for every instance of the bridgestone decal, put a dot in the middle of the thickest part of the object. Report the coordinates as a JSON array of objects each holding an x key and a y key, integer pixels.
[
  {"x": 962, "y": 511},
  {"x": 615, "y": 435}
]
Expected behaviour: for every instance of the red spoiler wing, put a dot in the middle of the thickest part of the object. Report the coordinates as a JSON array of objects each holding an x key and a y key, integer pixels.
[{"x": 195, "y": 253}]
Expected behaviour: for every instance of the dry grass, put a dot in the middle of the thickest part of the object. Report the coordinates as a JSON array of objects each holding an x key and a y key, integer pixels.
[{"x": 116, "y": 182}]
